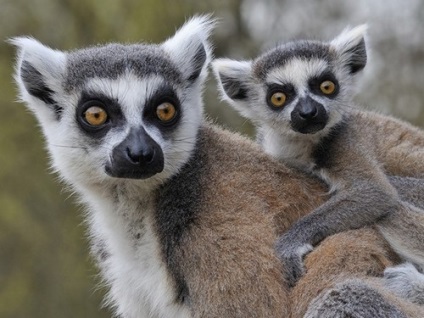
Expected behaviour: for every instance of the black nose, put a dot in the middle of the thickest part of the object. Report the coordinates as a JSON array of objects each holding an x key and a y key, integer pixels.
[
  {"x": 308, "y": 111},
  {"x": 308, "y": 116},
  {"x": 138, "y": 156}
]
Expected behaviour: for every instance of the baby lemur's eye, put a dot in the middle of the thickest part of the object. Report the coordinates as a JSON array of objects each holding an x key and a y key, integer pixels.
[
  {"x": 95, "y": 116},
  {"x": 327, "y": 87},
  {"x": 166, "y": 112},
  {"x": 278, "y": 99}
]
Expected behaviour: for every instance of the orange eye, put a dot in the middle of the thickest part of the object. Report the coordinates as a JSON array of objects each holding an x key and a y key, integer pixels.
[
  {"x": 278, "y": 99},
  {"x": 327, "y": 87},
  {"x": 95, "y": 116},
  {"x": 166, "y": 112}
]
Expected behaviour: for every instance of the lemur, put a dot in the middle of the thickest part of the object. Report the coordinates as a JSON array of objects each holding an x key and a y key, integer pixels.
[
  {"x": 183, "y": 215},
  {"x": 299, "y": 96}
]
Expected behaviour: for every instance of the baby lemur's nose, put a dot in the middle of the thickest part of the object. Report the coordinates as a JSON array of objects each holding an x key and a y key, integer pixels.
[
  {"x": 308, "y": 116},
  {"x": 308, "y": 112},
  {"x": 140, "y": 154}
]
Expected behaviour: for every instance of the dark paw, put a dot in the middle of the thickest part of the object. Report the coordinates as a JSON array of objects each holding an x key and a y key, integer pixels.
[
  {"x": 293, "y": 269},
  {"x": 292, "y": 254}
]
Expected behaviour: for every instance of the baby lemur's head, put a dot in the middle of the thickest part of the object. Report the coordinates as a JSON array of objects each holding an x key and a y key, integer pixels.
[
  {"x": 298, "y": 88},
  {"x": 118, "y": 111}
]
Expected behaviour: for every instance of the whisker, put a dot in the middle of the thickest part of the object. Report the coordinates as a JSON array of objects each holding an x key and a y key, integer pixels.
[
  {"x": 184, "y": 139},
  {"x": 66, "y": 146}
]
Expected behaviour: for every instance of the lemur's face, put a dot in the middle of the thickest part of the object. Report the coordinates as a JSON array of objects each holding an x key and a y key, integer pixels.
[
  {"x": 299, "y": 88},
  {"x": 118, "y": 111}
]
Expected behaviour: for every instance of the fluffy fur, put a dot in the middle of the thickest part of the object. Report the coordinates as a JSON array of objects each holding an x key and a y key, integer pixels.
[
  {"x": 406, "y": 281},
  {"x": 352, "y": 151},
  {"x": 195, "y": 239}
]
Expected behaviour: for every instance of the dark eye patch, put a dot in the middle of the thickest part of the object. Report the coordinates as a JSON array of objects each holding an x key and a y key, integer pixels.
[
  {"x": 315, "y": 82},
  {"x": 111, "y": 106},
  {"x": 164, "y": 94},
  {"x": 288, "y": 89}
]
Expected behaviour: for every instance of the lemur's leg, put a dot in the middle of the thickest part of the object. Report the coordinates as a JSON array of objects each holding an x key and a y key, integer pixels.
[{"x": 410, "y": 190}]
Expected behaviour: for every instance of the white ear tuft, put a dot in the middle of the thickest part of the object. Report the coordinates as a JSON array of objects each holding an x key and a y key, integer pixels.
[
  {"x": 190, "y": 48},
  {"x": 39, "y": 69},
  {"x": 350, "y": 37},
  {"x": 351, "y": 48}
]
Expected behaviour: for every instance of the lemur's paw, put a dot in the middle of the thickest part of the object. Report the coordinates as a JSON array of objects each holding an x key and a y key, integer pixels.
[{"x": 292, "y": 258}]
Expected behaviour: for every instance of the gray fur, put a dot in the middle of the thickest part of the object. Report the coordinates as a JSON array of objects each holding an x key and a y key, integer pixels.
[
  {"x": 405, "y": 281},
  {"x": 112, "y": 60},
  {"x": 178, "y": 203},
  {"x": 352, "y": 299},
  {"x": 320, "y": 133},
  {"x": 282, "y": 54},
  {"x": 409, "y": 189},
  {"x": 233, "y": 87},
  {"x": 347, "y": 209}
]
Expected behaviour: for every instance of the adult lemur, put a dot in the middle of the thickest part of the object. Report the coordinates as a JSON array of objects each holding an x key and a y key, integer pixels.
[
  {"x": 300, "y": 97},
  {"x": 183, "y": 216}
]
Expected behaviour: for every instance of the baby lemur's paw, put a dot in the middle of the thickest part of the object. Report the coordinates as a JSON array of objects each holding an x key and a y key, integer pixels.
[
  {"x": 405, "y": 281},
  {"x": 292, "y": 254}
]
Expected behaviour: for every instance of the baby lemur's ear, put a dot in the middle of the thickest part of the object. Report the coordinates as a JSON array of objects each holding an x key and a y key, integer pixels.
[
  {"x": 351, "y": 49},
  {"x": 190, "y": 48},
  {"x": 39, "y": 74},
  {"x": 233, "y": 83},
  {"x": 232, "y": 77}
]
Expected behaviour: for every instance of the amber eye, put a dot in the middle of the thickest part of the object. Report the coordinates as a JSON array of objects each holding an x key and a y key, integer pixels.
[
  {"x": 166, "y": 112},
  {"x": 327, "y": 87},
  {"x": 95, "y": 116},
  {"x": 278, "y": 99}
]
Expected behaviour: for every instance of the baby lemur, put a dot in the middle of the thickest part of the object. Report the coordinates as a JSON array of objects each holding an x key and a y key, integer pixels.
[{"x": 299, "y": 95}]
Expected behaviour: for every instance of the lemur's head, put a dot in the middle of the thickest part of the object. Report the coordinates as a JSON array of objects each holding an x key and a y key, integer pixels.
[
  {"x": 118, "y": 111},
  {"x": 298, "y": 88}
]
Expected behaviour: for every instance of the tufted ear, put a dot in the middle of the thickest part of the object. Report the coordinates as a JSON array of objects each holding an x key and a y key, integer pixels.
[
  {"x": 190, "y": 48},
  {"x": 233, "y": 83},
  {"x": 232, "y": 77},
  {"x": 351, "y": 49},
  {"x": 39, "y": 73}
]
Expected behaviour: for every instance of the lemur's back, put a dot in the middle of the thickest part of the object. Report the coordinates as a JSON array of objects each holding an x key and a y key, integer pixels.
[
  {"x": 366, "y": 142},
  {"x": 225, "y": 238},
  {"x": 300, "y": 97},
  {"x": 399, "y": 146}
]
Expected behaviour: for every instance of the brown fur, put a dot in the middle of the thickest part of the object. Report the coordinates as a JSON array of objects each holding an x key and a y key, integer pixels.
[
  {"x": 399, "y": 145},
  {"x": 362, "y": 254},
  {"x": 231, "y": 249},
  {"x": 228, "y": 259},
  {"x": 357, "y": 253},
  {"x": 399, "y": 148},
  {"x": 354, "y": 158}
]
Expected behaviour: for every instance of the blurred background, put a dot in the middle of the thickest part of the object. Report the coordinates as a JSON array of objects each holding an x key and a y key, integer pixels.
[{"x": 45, "y": 269}]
